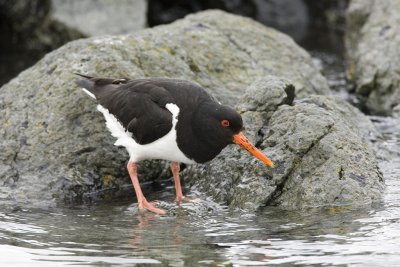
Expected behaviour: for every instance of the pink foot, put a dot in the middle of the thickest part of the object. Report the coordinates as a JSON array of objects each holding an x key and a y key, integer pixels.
[
  {"x": 150, "y": 207},
  {"x": 179, "y": 199}
]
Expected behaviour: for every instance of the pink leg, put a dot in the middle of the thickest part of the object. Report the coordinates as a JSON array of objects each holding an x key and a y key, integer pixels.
[
  {"x": 143, "y": 203},
  {"x": 175, "y": 168}
]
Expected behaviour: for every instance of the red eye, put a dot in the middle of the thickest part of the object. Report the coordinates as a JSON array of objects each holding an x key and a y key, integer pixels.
[{"x": 225, "y": 123}]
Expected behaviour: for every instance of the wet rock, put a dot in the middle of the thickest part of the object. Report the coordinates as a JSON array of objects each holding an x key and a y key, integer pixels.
[
  {"x": 319, "y": 145},
  {"x": 55, "y": 145},
  {"x": 98, "y": 17},
  {"x": 329, "y": 15},
  {"x": 372, "y": 42}
]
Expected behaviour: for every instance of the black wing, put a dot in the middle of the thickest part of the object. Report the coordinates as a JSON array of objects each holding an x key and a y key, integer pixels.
[{"x": 139, "y": 105}]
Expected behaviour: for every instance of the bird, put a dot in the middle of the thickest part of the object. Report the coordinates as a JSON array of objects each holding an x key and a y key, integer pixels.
[{"x": 165, "y": 118}]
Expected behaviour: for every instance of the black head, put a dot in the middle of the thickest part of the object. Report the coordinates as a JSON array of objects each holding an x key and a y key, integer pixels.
[{"x": 217, "y": 124}]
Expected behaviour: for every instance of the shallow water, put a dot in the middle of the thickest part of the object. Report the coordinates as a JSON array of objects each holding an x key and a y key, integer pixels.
[{"x": 115, "y": 235}]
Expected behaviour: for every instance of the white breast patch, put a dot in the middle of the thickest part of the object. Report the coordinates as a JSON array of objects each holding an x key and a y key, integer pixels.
[{"x": 165, "y": 147}]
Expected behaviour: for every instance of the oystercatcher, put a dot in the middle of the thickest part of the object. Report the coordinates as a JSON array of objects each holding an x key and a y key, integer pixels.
[{"x": 170, "y": 119}]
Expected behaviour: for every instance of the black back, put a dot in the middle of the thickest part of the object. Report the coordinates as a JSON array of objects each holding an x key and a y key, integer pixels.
[{"x": 140, "y": 107}]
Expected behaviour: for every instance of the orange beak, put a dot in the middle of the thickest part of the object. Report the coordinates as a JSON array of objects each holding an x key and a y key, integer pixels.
[{"x": 242, "y": 141}]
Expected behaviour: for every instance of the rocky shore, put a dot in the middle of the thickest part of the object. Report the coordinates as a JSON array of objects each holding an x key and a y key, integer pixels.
[{"x": 55, "y": 146}]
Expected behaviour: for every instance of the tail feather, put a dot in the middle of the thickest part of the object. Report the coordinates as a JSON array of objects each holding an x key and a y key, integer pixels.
[
  {"x": 83, "y": 75},
  {"x": 86, "y": 83},
  {"x": 94, "y": 86}
]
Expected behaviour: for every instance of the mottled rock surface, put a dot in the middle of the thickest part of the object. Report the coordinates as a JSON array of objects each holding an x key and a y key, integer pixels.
[
  {"x": 319, "y": 145},
  {"x": 99, "y": 17},
  {"x": 55, "y": 145},
  {"x": 372, "y": 42}
]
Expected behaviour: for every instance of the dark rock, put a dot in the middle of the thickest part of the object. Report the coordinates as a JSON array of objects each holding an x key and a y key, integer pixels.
[
  {"x": 288, "y": 16},
  {"x": 167, "y": 11},
  {"x": 55, "y": 145},
  {"x": 327, "y": 14},
  {"x": 326, "y": 27},
  {"x": 31, "y": 29},
  {"x": 301, "y": 19},
  {"x": 372, "y": 41},
  {"x": 319, "y": 145},
  {"x": 28, "y": 32},
  {"x": 23, "y": 16}
]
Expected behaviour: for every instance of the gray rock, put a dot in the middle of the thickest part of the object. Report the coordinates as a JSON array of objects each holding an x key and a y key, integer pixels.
[
  {"x": 372, "y": 42},
  {"x": 319, "y": 145},
  {"x": 99, "y": 17},
  {"x": 55, "y": 145}
]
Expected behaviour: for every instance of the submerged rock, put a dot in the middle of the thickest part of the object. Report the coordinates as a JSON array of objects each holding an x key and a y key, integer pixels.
[
  {"x": 372, "y": 42},
  {"x": 55, "y": 145},
  {"x": 321, "y": 154}
]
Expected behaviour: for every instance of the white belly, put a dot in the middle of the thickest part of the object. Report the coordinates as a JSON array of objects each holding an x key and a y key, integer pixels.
[{"x": 164, "y": 148}]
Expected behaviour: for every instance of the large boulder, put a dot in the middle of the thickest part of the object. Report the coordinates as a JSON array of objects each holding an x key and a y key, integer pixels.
[
  {"x": 372, "y": 42},
  {"x": 55, "y": 145},
  {"x": 319, "y": 145}
]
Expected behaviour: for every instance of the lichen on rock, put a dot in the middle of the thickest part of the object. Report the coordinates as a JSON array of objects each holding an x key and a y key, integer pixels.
[{"x": 322, "y": 155}]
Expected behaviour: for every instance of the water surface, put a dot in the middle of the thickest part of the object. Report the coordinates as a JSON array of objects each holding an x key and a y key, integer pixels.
[{"x": 115, "y": 235}]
